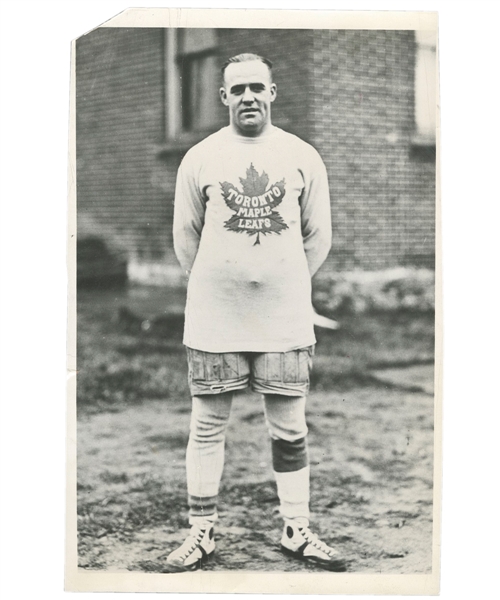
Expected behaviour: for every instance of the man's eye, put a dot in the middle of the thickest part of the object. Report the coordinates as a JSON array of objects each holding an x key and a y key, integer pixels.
[
  {"x": 257, "y": 88},
  {"x": 239, "y": 89}
]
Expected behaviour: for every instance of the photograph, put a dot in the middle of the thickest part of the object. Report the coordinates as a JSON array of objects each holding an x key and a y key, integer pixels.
[{"x": 255, "y": 307}]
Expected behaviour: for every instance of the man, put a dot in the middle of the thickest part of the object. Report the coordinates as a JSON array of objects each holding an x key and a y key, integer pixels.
[{"x": 251, "y": 226}]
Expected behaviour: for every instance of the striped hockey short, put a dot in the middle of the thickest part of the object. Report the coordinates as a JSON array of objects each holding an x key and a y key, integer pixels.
[{"x": 285, "y": 373}]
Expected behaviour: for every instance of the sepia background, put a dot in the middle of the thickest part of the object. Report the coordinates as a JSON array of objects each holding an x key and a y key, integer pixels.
[{"x": 366, "y": 100}]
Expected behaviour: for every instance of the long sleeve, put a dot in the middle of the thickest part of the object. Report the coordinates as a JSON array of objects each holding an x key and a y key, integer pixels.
[
  {"x": 189, "y": 217},
  {"x": 316, "y": 218},
  {"x": 245, "y": 209}
]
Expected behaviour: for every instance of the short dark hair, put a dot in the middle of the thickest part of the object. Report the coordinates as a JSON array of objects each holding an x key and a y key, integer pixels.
[{"x": 246, "y": 57}]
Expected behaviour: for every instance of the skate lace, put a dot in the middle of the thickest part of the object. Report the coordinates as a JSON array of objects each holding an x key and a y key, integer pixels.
[
  {"x": 192, "y": 542},
  {"x": 313, "y": 539}
]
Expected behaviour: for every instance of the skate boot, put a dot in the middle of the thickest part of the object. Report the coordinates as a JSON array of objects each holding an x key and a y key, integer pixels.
[
  {"x": 197, "y": 549},
  {"x": 300, "y": 543}
]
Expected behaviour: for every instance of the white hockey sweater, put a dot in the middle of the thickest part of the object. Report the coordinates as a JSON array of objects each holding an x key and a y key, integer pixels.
[{"x": 251, "y": 226}]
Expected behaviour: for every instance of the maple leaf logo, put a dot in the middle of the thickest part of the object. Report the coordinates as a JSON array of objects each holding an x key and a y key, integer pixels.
[{"x": 253, "y": 205}]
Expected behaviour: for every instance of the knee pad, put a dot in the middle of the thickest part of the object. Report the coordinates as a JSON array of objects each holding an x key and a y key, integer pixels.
[
  {"x": 209, "y": 418},
  {"x": 289, "y": 456},
  {"x": 286, "y": 418}
]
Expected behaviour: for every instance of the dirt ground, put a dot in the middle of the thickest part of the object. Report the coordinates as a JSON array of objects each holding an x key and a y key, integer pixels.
[{"x": 370, "y": 416}]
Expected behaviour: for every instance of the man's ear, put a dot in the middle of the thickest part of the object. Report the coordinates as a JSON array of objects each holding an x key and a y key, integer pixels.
[
  {"x": 223, "y": 96},
  {"x": 274, "y": 92}
]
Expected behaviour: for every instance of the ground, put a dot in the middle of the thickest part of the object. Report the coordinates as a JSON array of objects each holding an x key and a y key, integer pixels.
[{"x": 370, "y": 417}]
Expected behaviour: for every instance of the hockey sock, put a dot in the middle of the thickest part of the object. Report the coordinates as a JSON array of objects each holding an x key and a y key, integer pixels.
[
  {"x": 291, "y": 471},
  {"x": 205, "y": 454},
  {"x": 288, "y": 430}
]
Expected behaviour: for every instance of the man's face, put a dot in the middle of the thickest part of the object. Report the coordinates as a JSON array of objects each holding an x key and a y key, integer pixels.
[{"x": 248, "y": 93}]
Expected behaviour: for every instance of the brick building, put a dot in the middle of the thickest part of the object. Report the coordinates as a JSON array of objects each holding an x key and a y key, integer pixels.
[{"x": 362, "y": 98}]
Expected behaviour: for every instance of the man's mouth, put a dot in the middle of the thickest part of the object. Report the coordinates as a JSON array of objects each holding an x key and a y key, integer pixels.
[{"x": 249, "y": 111}]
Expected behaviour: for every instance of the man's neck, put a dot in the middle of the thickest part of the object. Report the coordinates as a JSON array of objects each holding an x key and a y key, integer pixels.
[{"x": 267, "y": 128}]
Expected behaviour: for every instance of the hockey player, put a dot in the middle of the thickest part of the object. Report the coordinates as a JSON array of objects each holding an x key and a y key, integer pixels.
[{"x": 252, "y": 225}]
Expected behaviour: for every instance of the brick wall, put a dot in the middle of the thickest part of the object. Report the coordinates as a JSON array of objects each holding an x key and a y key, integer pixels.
[
  {"x": 383, "y": 196},
  {"x": 120, "y": 122},
  {"x": 349, "y": 93}
]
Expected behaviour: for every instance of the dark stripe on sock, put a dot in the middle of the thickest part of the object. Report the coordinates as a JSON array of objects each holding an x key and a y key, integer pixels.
[
  {"x": 289, "y": 456},
  {"x": 202, "y": 506}
]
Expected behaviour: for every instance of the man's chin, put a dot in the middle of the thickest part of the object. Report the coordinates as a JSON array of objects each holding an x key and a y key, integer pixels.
[
  {"x": 253, "y": 118},
  {"x": 251, "y": 125}
]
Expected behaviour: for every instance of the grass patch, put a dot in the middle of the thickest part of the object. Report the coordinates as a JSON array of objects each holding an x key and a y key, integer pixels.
[
  {"x": 119, "y": 365},
  {"x": 344, "y": 358}
]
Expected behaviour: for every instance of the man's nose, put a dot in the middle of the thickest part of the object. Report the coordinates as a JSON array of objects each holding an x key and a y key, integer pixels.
[{"x": 248, "y": 95}]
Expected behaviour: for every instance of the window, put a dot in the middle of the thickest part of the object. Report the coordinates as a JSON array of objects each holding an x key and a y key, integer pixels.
[
  {"x": 425, "y": 88},
  {"x": 192, "y": 82}
]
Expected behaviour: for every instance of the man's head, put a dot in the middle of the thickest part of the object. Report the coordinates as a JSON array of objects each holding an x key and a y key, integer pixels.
[{"x": 248, "y": 90}]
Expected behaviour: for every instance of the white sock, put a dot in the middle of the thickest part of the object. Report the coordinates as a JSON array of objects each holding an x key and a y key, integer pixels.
[{"x": 293, "y": 492}]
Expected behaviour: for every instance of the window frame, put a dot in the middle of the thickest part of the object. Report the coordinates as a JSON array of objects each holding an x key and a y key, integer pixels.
[
  {"x": 174, "y": 116},
  {"x": 425, "y": 42}
]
